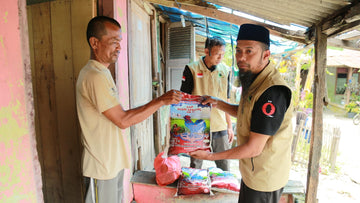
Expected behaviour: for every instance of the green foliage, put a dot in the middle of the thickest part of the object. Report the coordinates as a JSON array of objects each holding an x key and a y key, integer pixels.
[
  {"x": 352, "y": 107},
  {"x": 305, "y": 66},
  {"x": 307, "y": 101},
  {"x": 299, "y": 198},
  {"x": 182, "y": 128},
  {"x": 228, "y": 57},
  {"x": 295, "y": 98},
  {"x": 328, "y": 72},
  {"x": 306, "y": 59},
  {"x": 354, "y": 97}
]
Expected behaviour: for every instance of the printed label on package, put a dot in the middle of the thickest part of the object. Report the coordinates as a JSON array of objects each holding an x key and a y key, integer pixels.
[{"x": 189, "y": 125}]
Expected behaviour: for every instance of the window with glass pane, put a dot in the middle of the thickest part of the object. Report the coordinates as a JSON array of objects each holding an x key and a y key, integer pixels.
[{"x": 340, "y": 83}]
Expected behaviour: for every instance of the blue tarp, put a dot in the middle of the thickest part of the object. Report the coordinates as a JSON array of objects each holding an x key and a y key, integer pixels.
[
  {"x": 204, "y": 26},
  {"x": 212, "y": 27}
]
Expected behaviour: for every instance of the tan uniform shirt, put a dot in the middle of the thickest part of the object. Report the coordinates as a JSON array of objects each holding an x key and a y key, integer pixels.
[
  {"x": 104, "y": 146},
  {"x": 212, "y": 83}
]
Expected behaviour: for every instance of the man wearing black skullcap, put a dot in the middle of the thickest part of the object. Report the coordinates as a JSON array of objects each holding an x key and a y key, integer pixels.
[{"x": 263, "y": 121}]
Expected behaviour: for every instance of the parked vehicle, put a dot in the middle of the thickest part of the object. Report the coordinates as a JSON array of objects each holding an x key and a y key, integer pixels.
[{"x": 356, "y": 119}]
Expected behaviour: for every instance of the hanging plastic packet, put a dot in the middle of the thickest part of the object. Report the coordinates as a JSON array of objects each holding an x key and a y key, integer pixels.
[
  {"x": 189, "y": 126},
  {"x": 223, "y": 181},
  {"x": 193, "y": 181}
]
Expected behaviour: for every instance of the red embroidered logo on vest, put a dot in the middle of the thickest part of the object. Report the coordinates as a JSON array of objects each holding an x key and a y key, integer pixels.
[{"x": 268, "y": 109}]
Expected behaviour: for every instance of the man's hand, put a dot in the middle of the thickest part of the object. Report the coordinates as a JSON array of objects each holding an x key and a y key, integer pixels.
[
  {"x": 201, "y": 154},
  {"x": 209, "y": 100},
  {"x": 230, "y": 132},
  {"x": 170, "y": 97}
]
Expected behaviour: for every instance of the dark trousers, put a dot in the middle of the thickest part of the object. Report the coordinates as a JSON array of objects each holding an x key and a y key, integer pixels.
[
  {"x": 248, "y": 195},
  {"x": 219, "y": 143}
]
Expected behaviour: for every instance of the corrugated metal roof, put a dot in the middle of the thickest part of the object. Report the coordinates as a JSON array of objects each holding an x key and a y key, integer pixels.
[
  {"x": 291, "y": 19},
  {"x": 301, "y": 12}
]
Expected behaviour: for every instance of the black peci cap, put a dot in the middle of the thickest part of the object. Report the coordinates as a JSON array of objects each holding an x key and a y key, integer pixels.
[{"x": 254, "y": 32}]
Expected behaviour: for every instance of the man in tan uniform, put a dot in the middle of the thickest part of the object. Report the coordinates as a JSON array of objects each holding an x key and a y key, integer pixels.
[
  {"x": 208, "y": 76},
  {"x": 263, "y": 121},
  {"x": 101, "y": 116}
]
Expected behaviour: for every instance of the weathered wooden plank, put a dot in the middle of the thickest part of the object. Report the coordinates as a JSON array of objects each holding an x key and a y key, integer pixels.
[
  {"x": 46, "y": 103},
  {"x": 156, "y": 77},
  {"x": 140, "y": 83},
  {"x": 334, "y": 147},
  {"x": 81, "y": 13},
  {"x": 30, "y": 2},
  {"x": 341, "y": 29},
  {"x": 164, "y": 117},
  {"x": 347, "y": 44},
  {"x": 346, "y": 17},
  {"x": 317, "y": 123},
  {"x": 106, "y": 8},
  {"x": 347, "y": 91},
  {"x": 69, "y": 138}
]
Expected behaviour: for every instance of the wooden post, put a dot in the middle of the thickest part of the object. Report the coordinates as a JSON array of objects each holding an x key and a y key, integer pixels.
[
  {"x": 348, "y": 91},
  {"x": 317, "y": 122},
  {"x": 156, "y": 70},
  {"x": 334, "y": 147},
  {"x": 298, "y": 131},
  {"x": 106, "y": 8}
]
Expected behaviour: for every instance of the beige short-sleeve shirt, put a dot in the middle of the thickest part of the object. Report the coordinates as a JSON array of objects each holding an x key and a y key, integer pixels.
[{"x": 105, "y": 151}]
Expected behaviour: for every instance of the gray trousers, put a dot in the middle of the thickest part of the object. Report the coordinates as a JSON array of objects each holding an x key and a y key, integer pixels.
[
  {"x": 105, "y": 191},
  {"x": 219, "y": 143}
]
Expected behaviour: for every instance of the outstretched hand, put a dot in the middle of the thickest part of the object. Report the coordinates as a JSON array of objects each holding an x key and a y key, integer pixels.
[
  {"x": 171, "y": 97},
  {"x": 209, "y": 100},
  {"x": 201, "y": 154}
]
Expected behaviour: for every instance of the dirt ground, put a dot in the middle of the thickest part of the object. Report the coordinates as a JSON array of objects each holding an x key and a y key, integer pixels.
[{"x": 343, "y": 185}]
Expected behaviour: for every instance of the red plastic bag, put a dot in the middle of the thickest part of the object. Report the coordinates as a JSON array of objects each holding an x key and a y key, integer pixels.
[
  {"x": 193, "y": 181},
  {"x": 167, "y": 169}
]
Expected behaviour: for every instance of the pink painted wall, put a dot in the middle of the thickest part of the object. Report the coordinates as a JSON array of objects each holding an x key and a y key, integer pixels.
[
  {"x": 20, "y": 178},
  {"x": 122, "y": 79}
]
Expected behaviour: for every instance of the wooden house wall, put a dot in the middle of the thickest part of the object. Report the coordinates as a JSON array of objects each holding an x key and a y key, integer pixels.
[
  {"x": 58, "y": 49},
  {"x": 140, "y": 74}
]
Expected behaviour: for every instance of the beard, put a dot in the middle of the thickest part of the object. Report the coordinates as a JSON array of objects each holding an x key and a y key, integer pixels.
[
  {"x": 246, "y": 76},
  {"x": 246, "y": 79}
]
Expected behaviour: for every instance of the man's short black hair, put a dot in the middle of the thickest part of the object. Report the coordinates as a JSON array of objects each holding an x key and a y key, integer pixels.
[
  {"x": 214, "y": 41},
  {"x": 96, "y": 27}
]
